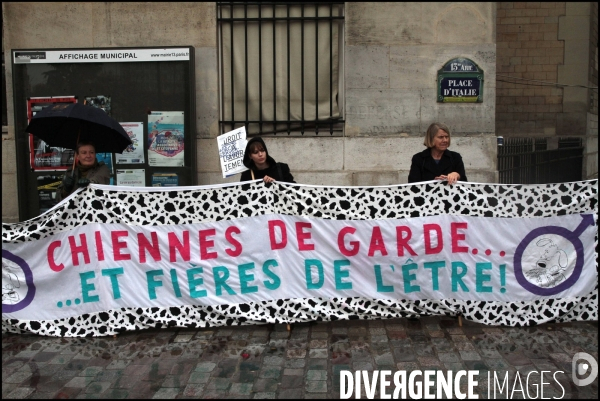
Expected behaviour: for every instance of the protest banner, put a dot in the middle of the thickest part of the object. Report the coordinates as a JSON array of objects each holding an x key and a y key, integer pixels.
[
  {"x": 232, "y": 145},
  {"x": 245, "y": 253}
]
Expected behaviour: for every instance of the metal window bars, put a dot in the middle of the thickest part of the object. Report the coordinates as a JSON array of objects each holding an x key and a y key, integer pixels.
[
  {"x": 269, "y": 96},
  {"x": 529, "y": 161}
]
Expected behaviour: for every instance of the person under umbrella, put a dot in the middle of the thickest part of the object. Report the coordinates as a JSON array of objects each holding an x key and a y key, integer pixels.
[{"x": 87, "y": 170}]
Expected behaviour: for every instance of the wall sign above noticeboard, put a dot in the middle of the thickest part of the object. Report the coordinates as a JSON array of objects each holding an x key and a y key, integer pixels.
[{"x": 460, "y": 81}]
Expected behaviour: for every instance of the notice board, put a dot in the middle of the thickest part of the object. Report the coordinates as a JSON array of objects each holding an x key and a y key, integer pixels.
[{"x": 130, "y": 84}]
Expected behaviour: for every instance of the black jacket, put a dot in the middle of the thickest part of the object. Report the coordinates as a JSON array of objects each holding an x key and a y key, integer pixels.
[
  {"x": 424, "y": 167},
  {"x": 278, "y": 171},
  {"x": 272, "y": 171}
]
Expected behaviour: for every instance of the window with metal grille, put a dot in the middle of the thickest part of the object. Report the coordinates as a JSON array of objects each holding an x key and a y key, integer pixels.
[{"x": 280, "y": 67}]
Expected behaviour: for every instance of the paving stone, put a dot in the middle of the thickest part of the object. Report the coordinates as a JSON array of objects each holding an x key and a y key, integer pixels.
[
  {"x": 293, "y": 372},
  {"x": 295, "y": 363},
  {"x": 292, "y": 381},
  {"x": 270, "y": 372},
  {"x": 464, "y": 346},
  {"x": 174, "y": 381},
  {"x": 404, "y": 355},
  {"x": 419, "y": 338},
  {"x": 193, "y": 390},
  {"x": 61, "y": 359},
  {"x": 380, "y": 331},
  {"x": 292, "y": 393},
  {"x": 118, "y": 364},
  {"x": 241, "y": 388},
  {"x": 318, "y": 353},
  {"x": 183, "y": 338},
  {"x": 17, "y": 377},
  {"x": 199, "y": 377},
  {"x": 39, "y": 395},
  {"x": 205, "y": 367},
  {"x": 559, "y": 357},
  {"x": 218, "y": 383},
  {"x": 97, "y": 387},
  {"x": 469, "y": 355},
  {"x": 454, "y": 366},
  {"x": 516, "y": 359},
  {"x": 224, "y": 372},
  {"x": 167, "y": 393},
  {"x": 265, "y": 385},
  {"x": 362, "y": 366},
  {"x": 425, "y": 350},
  {"x": 316, "y": 375},
  {"x": 91, "y": 371},
  {"x": 80, "y": 381},
  {"x": 245, "y": 377},
  {"x": 273, "y": 360},
  {"x": 385, "y": 359},
  {"x": 269, "y": 362},
  {"x": 20, "y": 393},
  {"x": 429, "y": 361},
  {"x": 267, "y": 395},
  {"x": 318, "y": 344},
  {"x": 316, "y": 386}
]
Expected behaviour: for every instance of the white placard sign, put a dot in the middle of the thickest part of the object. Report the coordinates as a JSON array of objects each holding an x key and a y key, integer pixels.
[{"x": 231, "y": 151}]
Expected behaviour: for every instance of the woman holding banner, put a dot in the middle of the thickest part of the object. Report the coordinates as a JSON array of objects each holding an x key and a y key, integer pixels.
[
  {"x": 87, "y": 170},
  {"x": 261, "y": 165},
  {"x": 437, "y": 162}
]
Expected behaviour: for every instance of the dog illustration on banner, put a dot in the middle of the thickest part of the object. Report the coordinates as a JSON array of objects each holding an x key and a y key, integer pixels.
[
  {"x": 10, "y": 281},
  {"x": 551, "y": 265}
]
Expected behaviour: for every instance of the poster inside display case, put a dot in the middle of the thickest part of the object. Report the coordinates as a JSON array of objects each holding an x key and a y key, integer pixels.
[
  {"x": 47, "y": 185},
  {"x": 43, "y": 157}
]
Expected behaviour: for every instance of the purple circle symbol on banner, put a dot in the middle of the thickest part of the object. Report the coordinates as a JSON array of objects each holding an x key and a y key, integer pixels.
[
  {"x": 563, "y": 232},
  {"x": 28, "y": 280}
]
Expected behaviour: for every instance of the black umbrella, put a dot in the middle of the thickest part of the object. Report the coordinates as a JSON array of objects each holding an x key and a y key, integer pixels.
[{"x": 64, "y": 125}]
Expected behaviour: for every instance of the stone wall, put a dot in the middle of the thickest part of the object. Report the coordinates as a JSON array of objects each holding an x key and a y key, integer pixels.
[
  {"x": 545, "y": 43},
  {"x": 591, "y": 160},
  {"x": 393, "y": 53},
  {"x": 391, "y": 57},
  {"x": 528, "y": 47}
]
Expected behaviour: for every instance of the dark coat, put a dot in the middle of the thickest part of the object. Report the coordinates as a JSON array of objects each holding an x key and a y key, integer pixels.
[
  {"x": 278, "y": 171},
  {"x": 99, "y": 174},
  {"x": 424, "y": 167}
]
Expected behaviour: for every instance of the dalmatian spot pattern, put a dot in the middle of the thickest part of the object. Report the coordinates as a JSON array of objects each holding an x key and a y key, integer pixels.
[{"x": 103, "y": 204}]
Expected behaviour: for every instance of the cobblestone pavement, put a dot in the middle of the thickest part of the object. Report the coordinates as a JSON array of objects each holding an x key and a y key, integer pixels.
[{"x": 267, "y": 361}]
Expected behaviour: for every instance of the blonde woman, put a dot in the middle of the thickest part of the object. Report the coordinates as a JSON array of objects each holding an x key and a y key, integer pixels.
[{"x": 437, "y": 162}]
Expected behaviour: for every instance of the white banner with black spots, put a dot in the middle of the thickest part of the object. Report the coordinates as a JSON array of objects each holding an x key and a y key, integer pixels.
[{"x": 104, "y": 250}]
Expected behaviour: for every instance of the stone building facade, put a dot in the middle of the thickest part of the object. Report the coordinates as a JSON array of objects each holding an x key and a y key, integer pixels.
[
  {"x": 540, "y": 44},
  {"x": 391, "y": 55}
]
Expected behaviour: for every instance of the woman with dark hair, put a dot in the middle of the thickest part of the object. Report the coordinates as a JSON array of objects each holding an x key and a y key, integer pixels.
[
  {"x": 87, "y": 169},
  {"x": 261, "y": 165},
  {"x": 437, "y": 162}
]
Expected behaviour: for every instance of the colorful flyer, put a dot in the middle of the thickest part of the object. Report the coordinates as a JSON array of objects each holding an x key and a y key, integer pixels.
[
  {"x": 100, "y": 102},
  {"x": 134, "y": 153},
  {"x": 165, "y": 180},
  {"x": 231, "y": 151},
  {"x": 165, "y": 138},
  {"x": 106, "y": 158},
  {"x": 43, "y": 156},
  {"x": 131, "y": 178}
]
